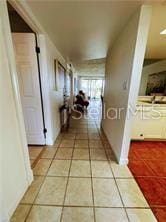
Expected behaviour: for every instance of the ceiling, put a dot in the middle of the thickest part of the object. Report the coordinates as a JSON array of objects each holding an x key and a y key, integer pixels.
[
  {"x": 84, "y": 30},
  {"x": 95, "y": 67}
]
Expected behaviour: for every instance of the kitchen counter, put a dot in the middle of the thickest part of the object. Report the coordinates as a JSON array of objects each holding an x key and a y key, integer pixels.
[{"x": 142, "y": 103}]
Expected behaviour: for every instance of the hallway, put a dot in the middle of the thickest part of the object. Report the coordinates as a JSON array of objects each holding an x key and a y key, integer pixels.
[
  {"x": 73, "y": 175},
  {"x": 77, "y": 180}
]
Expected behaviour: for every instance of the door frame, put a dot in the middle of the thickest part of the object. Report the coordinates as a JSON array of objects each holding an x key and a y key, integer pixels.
[
  {"x": 23, "y": 10},
  {"x": 90, "y": 79}
]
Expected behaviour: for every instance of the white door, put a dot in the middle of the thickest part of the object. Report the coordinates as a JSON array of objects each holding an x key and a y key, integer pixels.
[{"x": 28, "y": 77}]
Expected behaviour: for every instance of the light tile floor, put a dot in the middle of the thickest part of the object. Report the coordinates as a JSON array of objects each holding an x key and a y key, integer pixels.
[
  {"x": 35, "y": 153},
  {"x": 78, "y": 180}
]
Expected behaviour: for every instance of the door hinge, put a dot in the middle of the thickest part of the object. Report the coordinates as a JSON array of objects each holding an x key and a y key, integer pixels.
[
  {"x": 44, "y": 130},
  {"x": 37, "y": 49}
]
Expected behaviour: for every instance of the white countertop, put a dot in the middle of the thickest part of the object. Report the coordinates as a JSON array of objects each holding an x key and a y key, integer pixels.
[{"x": 140, "y": 103}]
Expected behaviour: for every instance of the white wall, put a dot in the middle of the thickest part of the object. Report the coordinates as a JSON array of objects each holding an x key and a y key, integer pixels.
[
  {"x": 52, "y": 98},
  {"x": 16, "y": 174},
  {"x": 123, "y": 73},
  {"x": 150, "y": 69},
  {"x": 55, "y": 95}
]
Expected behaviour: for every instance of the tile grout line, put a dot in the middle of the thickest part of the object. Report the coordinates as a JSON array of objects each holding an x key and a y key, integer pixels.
[
  {"x": 150, "y": 207},
  {"x": 37, "y": 158},
  {"x": 68, "y": 177},
  {"x": 69, "y": 171},
  {"x": 119, "y": 192},
  {"x": 116, "y": 184},
  {"x": 94, "y": 213},
  {"x": 82, "y": 206},
  {"x": 44, "y": 177}
]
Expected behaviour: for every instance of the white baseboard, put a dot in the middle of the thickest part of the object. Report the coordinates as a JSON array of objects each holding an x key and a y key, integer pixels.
[
  {"x": 30, "y": 177},
  {"x": 49, "y": 141},
  {"x": 123, "y": 161}
]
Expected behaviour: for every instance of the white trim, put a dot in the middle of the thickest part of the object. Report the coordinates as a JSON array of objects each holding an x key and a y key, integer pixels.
[
  {"x": 24, "y": 11},
  {"x": 8, "y": 45},
  {"x": 123, "y": 161},
  {"x": 12, "y": 66},
  {"x": 45, "y": 87},
  {"x": 16, "y": 94}
]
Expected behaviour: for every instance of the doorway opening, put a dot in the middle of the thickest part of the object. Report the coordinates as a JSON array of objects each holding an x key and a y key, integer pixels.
[
  {"x": 148, "y": 146},
  {"x": 93, "y": 87},
  {"x": 26, "y": 52}
]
